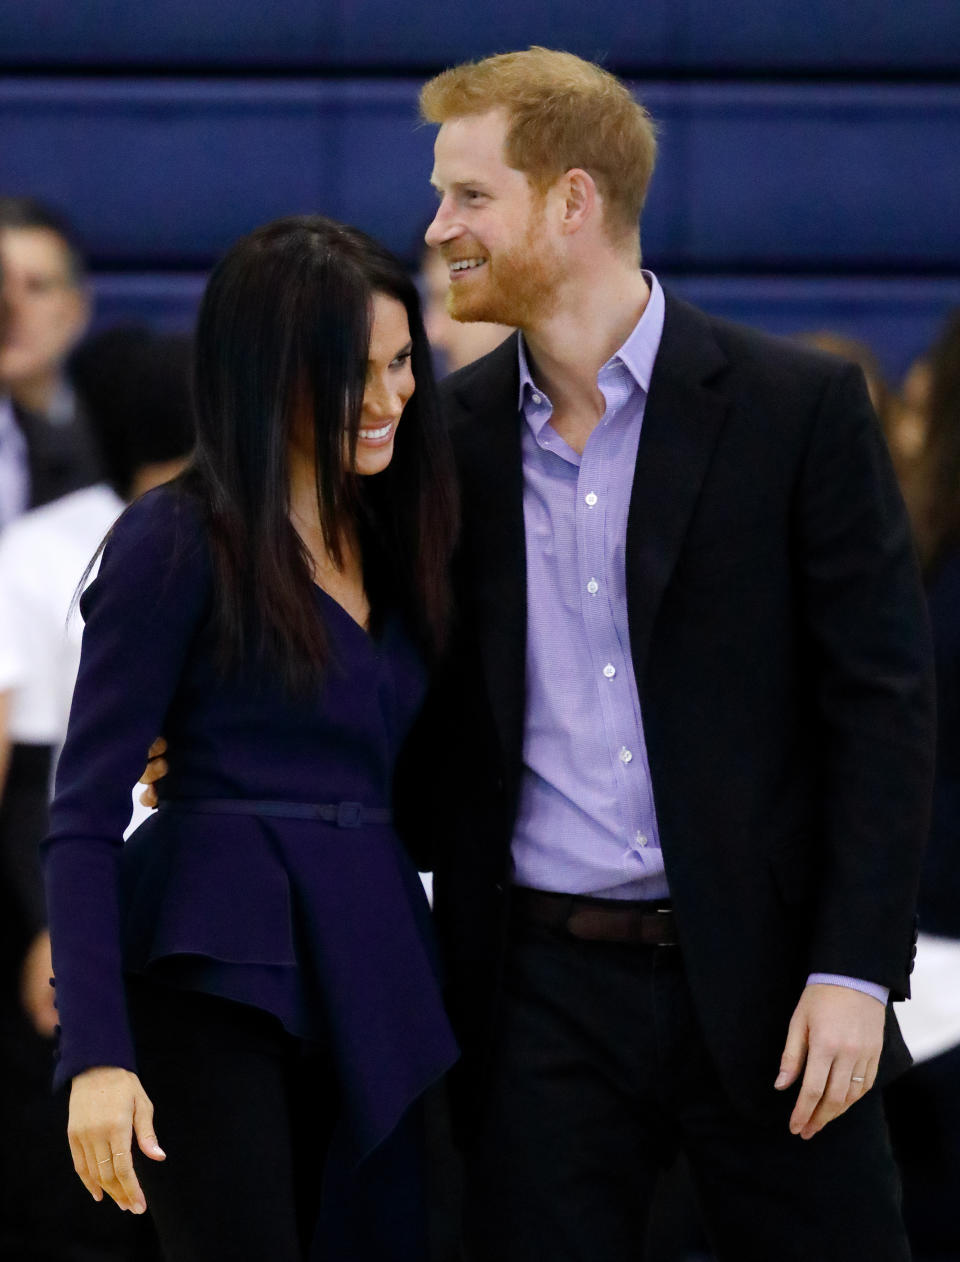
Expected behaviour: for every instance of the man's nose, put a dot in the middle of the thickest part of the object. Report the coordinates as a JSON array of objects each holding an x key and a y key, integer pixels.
[{"x": 443, "y": 228}]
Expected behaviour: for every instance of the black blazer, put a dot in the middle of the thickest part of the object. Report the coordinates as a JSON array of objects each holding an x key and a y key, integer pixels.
[
  {"x": 781, "y": 653},
  {"x": 61, "y": 458}
]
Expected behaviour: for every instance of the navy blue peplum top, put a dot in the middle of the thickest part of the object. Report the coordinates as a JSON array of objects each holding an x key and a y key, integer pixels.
[{"x": 321, "y": 922}]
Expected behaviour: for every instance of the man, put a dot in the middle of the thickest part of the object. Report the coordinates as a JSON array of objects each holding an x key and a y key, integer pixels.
[
  {"x": 45, "y": 450},
  {"x": 683, "y": 775}
]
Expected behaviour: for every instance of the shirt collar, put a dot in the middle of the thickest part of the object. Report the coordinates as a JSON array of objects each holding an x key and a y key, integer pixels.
[
  {"x": 8, "y": 421},
  {"x": 638, "y": 353}
]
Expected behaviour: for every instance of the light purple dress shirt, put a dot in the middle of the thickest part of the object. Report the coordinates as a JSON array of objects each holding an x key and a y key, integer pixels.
[{"x": 587, "y": 820}]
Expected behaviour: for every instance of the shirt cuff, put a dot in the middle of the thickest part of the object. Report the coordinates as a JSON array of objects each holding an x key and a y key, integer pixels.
[{"x": 880, "y": 993}]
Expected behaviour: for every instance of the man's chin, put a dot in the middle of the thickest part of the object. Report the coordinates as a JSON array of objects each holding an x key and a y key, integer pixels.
[{"x": 478, "y": 312}]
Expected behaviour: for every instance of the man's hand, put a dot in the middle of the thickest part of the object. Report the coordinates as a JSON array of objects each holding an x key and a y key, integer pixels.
[
  {"x": 838, "y": 1032},
  {"x": 36, "y": 993},
  {"x": 156, "y": 768}
]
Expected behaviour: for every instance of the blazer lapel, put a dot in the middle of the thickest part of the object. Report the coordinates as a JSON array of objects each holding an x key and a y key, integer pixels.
[
  {"x": 681, "y": 424},
  {"x": 493, "y": 544}
]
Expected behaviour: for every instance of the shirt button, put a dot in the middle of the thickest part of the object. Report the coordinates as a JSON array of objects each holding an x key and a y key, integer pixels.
[
  {"x": 641, "y": 841},
  {"x": 609, "y": 670},
  {"x": 590, "y": 498},
  {"x": 625, "y": 755},
  {"x": 538, "y": 398},
  {"x": 593, "y": 587}
]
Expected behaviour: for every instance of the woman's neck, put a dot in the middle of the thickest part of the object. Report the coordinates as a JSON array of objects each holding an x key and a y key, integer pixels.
[{"x": 342, "y": 579}]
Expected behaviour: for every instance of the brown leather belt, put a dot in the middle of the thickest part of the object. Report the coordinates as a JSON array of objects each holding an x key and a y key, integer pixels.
[{"x": 596, "y": 919}]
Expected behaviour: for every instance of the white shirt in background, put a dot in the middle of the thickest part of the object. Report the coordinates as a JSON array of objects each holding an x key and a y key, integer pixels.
[{"x": 43, "y": 555}]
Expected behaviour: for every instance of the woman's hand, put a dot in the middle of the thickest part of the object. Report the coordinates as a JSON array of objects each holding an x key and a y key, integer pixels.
[
  {"x": 156, "y": 768},
  {"x": 107, "y": 1107}
]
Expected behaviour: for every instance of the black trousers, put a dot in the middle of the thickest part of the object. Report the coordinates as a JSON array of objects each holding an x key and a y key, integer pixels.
[
  {"x": 601, "y": 1075},
  {"x": 924, "y": 1112},
  {"x": 245, "y": 1113}
]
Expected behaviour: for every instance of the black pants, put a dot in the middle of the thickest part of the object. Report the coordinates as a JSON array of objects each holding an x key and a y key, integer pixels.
[
  {"x": 601, "y": 1076},
  {"x": 245, "y": 1113},
  {"x": 924, "y": 1111}
]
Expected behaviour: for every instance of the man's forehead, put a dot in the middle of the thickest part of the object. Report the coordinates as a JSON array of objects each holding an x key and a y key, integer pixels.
[
  {"x": 468, "y": 147},
  {"x": 34, "y": 247}
]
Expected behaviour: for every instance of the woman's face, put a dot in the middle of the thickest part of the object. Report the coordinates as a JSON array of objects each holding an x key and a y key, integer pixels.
[{"x": 389, "y": 384}]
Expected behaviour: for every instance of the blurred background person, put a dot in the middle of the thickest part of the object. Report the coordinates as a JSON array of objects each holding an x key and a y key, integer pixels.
[
  {"x": 454, "y": 343},
  {"x": 924, "y": 1106},
  {"x": 45, "y": 446},
  {"x": 135, "y": 387},
  {"x": 906, "y": 429},
  {"x": 859, "y": 353}
]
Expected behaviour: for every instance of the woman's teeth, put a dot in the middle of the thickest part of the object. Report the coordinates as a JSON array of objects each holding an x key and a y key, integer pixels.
[{"x": 371, "y": 435}]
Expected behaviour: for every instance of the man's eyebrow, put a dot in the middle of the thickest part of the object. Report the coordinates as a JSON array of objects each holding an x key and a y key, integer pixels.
[{"x": 457, "y": 186}]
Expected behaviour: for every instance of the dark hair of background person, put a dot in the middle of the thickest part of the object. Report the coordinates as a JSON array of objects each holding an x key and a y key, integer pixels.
[
  {"x": 285, "y": 324},
  {"x": 938, "y": 530},
  {"x": 31, "y": 215},
  {"x": 135, "y": 387}
]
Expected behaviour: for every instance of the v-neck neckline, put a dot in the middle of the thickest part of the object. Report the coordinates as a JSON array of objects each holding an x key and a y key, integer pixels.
[{"x": 364, "y": 631}]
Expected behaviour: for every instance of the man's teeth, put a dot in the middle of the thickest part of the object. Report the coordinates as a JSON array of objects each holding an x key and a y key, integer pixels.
[
  {"x": 462, "y": 265},
  {"x": 372, "y": 434}
]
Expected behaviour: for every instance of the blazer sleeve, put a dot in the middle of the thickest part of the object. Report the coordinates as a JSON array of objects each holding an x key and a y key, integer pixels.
[
  {"x": 141, "y": 615},
  {"x": 865, "y": 617}
]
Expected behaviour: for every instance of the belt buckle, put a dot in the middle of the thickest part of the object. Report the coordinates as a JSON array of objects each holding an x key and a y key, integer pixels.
[{"x": 349, "y": 814}]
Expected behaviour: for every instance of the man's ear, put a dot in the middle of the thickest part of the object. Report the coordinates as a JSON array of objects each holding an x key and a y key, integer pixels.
[
  {"x": 580, "y": 199},
  {"x": 81, "y": 312}
]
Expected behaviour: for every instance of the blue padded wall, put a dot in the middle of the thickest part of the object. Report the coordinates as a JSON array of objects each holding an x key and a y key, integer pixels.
[
  {"x": 638, "y": 34},
  {"x": 757, "y": 177},
  {"x": 809, "y": 174}
]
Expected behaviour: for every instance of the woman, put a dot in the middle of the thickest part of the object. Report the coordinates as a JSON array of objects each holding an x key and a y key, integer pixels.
[{"x": 255, "y": 962}]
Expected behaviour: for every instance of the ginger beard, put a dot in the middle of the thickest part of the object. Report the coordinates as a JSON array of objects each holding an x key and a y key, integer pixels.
[{"x": 516, "y": 286}]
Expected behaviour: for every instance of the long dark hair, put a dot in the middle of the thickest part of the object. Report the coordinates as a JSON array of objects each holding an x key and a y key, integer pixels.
[
  {"x": 284, "y": 323},
  {"x": 938, "y": 530}
]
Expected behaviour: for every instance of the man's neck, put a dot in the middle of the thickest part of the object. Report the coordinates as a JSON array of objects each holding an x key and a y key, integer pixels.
[
  {"x": 39, "y": 394},
  {"x": 569, "y": 347}
]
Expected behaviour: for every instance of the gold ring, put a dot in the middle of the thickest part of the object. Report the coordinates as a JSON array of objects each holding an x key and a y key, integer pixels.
[{"x": 105, "y": 1160}]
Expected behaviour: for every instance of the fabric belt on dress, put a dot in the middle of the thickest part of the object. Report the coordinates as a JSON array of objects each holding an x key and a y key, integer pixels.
[
  {"x": 343, "y": 814},
  {"x": 596, "y": 919}
]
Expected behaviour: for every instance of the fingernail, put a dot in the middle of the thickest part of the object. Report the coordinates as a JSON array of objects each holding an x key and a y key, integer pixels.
[
  {"x": 139, "y": 1209},
  {"x": 781, "y": 1079}
]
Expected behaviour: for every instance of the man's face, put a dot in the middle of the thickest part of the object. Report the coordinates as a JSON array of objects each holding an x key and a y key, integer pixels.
[
  {"x": 491, "y": 229},
  {"x": 45, "y": 313}
]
